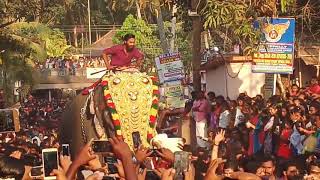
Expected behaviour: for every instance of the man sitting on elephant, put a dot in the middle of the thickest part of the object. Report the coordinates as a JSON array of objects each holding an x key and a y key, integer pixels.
[{"x": 121, "y": 56}]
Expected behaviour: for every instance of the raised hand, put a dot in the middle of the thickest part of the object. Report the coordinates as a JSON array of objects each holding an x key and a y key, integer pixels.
[
  {"x": 120, "y": 148},
  {"x": 211, "y": 173},
  {"x": 95, "y": 163},
  {"x": 168, "y": 174},
  {"x": 59, "y": 174},
  {"x": 85, "y": 155},
  {"x": 166, "y": 154},
  {"x": 65, "y": 162},
  {"x": 219, "y": 137},
  {"x": 141, "y": 173},
  {"x": 120, "y": 169},
  {"x": 142, "y": 153}
]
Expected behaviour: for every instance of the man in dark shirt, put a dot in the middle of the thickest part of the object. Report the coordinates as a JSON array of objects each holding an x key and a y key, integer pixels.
[{"x": 123, "y": 54}]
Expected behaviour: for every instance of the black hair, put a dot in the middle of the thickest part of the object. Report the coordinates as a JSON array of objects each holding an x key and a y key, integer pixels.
[
  {"x": 231, "y": 164},
  {"x": 224, "y": 106},
  {"x": 289, "y": 164},
  {"x": 11, "y": 167},
  {"x": 267, "y": 158},
  {"x": 211, "y": 94},
  {"x": 128, "y": 36}
]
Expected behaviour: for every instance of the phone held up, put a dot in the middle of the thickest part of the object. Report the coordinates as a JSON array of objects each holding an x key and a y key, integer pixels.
[
  {"x": 65, "y": 149},
  {"x": 9, "y": 120},
  {"x": 101, "y": 146},
  {"x": 50, "y": 161},
  {"x": 36, "y": 172},
  {"x": 181, "y": 163},
  {"x": 136, "y": 139}
]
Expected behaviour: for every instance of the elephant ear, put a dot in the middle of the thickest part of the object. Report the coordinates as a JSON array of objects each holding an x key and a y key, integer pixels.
[{"x": 102, "y": 112}]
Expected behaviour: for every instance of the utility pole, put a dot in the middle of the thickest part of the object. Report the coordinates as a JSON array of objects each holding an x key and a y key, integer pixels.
[
  {"x": 89, "y": 21},
  {"x": 196, "y": 62},
  {"x": 196, "y": 46}
]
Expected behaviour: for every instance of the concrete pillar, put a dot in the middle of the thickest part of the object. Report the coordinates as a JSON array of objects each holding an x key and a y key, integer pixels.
[{"x": 49, "y": 95}]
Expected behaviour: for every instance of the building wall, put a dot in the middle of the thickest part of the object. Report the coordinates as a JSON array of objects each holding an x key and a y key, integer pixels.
[{"x": 244, "y": 82}]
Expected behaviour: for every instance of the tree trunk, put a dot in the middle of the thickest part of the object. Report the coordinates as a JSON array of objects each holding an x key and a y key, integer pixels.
[
  {"x": 138, "y": 9},
  {"x": 196, "y": 45},
  {"x": 173, "y": 28},
  {"x": 164, "y": 43}
]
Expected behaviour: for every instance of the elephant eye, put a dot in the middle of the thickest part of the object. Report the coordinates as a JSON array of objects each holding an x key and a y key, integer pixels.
[
  {"x": 116, "y": 81},
  {"x": 145, "y": 80}
]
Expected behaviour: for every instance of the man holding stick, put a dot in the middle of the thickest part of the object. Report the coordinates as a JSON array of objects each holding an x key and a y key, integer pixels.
[{"x": 121, "y": 56}]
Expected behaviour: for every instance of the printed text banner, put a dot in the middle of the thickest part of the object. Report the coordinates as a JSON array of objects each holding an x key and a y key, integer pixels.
[{"x": 276, "y": 50}]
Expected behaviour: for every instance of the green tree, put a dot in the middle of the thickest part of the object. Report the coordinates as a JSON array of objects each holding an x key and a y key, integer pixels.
[
  {"x": 15, "y": 62},
  {"x": 231, "y": 21},
  {"x": 145, "y": 38},
  {"x": 53, "y": 40}
]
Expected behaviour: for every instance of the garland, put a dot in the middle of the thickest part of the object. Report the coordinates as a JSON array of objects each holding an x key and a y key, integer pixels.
[{"x": 115, "y": 116}]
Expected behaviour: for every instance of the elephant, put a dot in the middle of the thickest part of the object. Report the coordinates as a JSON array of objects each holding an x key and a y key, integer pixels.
[
  {"x": 119, "y": 104},
  {"x": 77, "y": 131}
]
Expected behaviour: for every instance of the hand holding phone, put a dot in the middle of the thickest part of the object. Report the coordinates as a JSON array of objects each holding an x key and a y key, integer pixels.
[
  {"x": 36, "y": 172},
  {"x": 111, "y": 164},
  {"x": 65, "y": 150},
  {"x": 136, "y": 140},
  {"x": 50, "y": 162},
  {"x": 101, "y": 146},
  {"x": 181, "y": 163}
]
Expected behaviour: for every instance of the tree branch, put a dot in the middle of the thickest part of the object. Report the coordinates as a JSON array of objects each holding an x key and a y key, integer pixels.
[{"x": 8, "y": 23}]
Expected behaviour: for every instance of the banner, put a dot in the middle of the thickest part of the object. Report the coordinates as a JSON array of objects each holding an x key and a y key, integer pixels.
[
  {"x": 276, "y": 50},
  {"x": 93, "y": 70},
  {"x": 174, "y": 94},
  {"x": 170, "y": 67}
]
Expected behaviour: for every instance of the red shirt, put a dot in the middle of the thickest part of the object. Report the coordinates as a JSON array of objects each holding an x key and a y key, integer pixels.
[
  {"x": 121, "y": 57},
  {"x": 314, "y": 89}
]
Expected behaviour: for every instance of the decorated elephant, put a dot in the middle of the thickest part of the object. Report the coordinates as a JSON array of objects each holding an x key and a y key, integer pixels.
[{"x": 119, "y": 104}]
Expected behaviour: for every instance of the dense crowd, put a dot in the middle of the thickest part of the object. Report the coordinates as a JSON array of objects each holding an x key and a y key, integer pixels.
[
  {"x": 250, "y": 138},
  {"x": 71, "y": 64},
  {"x": 39, "y": 120}
]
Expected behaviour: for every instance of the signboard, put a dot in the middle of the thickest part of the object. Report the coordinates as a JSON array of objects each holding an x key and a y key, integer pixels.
[
  {"x": 268, "y": 86},
  {"x": 94, "y": 70},
  {"x": 174, "y": 94},
  {"x": 170, "y": 67},
  {"x": 276, "y": 50}
]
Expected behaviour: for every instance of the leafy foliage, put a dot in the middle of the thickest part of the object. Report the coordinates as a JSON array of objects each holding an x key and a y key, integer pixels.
[
  {"x": 232, "y": 21},
  {"x": 14, "y": 63},
  {"x": 52, "y": 39},
  {"x": 145, "y": 38}
]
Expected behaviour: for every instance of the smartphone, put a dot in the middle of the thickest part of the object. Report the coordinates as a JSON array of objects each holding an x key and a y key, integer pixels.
[
  {"x": 100, "y": 146},
  {"x": 154, "y": 153},
  {"x": 65, "y": 150},
  {"x": 111, "y": 167},
  {"x": 181, "y": 163},
  {"x": 50, "y": 162},
  {"x": 36, "y": 172},
  {"x": 136, "y": 140},
  {"x": 9, "y": 120}
]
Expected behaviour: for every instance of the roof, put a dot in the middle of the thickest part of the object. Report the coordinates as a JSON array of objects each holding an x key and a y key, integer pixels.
[
  {"x": 310, "y": 55},
  {"x": 101, "y": 44},
  {"x": 218, "y": 60}
]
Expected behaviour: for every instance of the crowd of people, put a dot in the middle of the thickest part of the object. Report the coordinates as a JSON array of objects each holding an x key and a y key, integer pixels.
[
  {"x": 39, "y": 121},
  {"x": 71, "y": 64},
  {"x": 275, "y": 138},
  {"x": 250, "y": 138}
]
